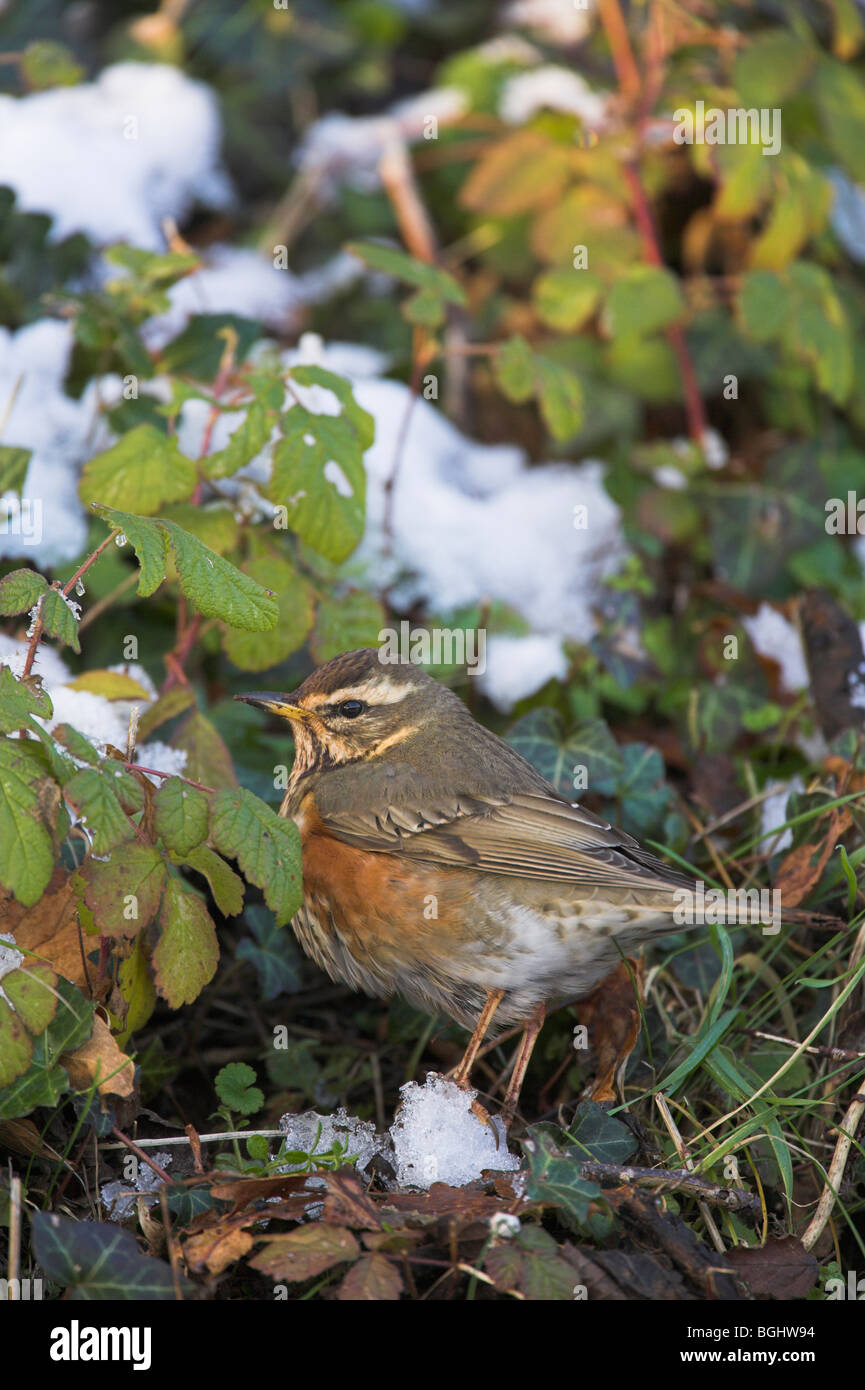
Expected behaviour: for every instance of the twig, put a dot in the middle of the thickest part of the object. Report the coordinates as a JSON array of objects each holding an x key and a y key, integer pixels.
[
  {"x": 137, "y": 1149},
  {"x": 155, "y": 772},
  {"x": 733, "y": 1199},
  {"x": 175, "y": 1139},
  {"x": 682, "y": 1151},
  {"x": 624, "y": 62},
  {"x": 847, "y": 1133}
]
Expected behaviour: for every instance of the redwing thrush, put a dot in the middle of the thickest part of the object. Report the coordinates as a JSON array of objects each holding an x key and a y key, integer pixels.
[{"x": 440, "y": 865}]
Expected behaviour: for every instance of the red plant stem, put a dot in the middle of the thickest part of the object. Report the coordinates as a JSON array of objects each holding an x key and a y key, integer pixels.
[
  {"x": 140, "y": 1154},
  {"x": 67, "y": 588},
  {"x": 154, "y": 772},
  {"x": 620, "y": 47}
]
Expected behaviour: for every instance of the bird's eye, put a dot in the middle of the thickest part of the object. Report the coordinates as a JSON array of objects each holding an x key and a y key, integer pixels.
[{"x": 351, "y": 708}]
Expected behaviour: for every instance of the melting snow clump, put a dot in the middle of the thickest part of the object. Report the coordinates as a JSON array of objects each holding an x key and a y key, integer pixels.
[
  {"x": 436, "y": 1137},
  {"x": 358, "y": 1135},
  {"x": 119, "y": 1198}
]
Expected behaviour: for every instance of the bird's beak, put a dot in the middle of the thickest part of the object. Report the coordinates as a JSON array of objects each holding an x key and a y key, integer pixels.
[{"x": 275, "y": 704}]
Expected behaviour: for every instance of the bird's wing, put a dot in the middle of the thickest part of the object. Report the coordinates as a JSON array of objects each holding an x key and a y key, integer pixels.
[{"x": 529, "y": 835}]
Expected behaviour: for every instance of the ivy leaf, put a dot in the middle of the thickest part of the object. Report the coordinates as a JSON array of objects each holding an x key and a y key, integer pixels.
[
  {"x": 143, "y": 470},
  {"x": 123, "y": 892},
  {"x": 554, "y": 1179},
  {"x": 247, "y": 440},
  {"x": 236, "y": 1088},
  {"x": 18, "y": 701},
  {"x": 96, "y": 1261},
  {"x": 26, "y": 851},
  {"x": 187, "y": 953},
  {"x": 94, "y": 798},
  {"x": 600, "y": 1136},
  {"x": 266, "y": 846},
  {"x": 20, "y": 590},
  {"x": 319, "y": 477},
  {"x": 182, "y": 814},
  {"x": 225, "y": 885},
  {"x": 539, "y": 736},
  {"x": 272, "y": 953},
  {"x": 58, "y": 619}
]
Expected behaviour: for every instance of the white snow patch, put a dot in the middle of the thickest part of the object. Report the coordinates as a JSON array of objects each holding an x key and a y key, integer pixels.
[
  {"x": 551, "y": 88},
  {"x": 776, "y": 638},
  {"x": 436, "y": 1137},
  {"x": 773, "y": 812},
  {"x": 120, "y": 1198},
  {"x": 358, "y": 1136},
  {"x": 518, "y": 666},
  {"x": 557, "y": 20},
  {"x": 113, "y": 157}
]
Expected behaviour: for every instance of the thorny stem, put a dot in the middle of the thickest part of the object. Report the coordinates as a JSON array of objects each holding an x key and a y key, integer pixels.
[
  {"x": 65, "y": 591},
  {"x": 154, "y": 772}
]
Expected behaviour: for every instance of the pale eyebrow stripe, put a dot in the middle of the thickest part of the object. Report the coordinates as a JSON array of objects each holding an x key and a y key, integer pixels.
[{"x": 380, "y": 692}]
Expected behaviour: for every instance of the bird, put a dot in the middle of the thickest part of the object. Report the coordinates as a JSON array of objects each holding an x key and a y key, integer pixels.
[{"x": 440, "y": 865}]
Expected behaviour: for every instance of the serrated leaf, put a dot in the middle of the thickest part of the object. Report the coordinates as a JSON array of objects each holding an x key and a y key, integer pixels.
[
  {"x": 519, "y": 173},
  {"x": 58, "y": 620},
  {"x": 26, "y": 851},
  {"x": 44, "y": 1081},
  {"x": 16, "y": 1050},
  {"x": 374, "y": 1278},
  {"x": 137, "y": 989},
  {"x": 14, "y": 463},
  {"x": 225, "y": 885},
  {"x": 273, "y": 954},
  {"x": 79, "y": 746},
  {"x": 257, "y": 651},
  {"x": 236, "y": 1088},
  {"x": 266, "y": 846},
  {"x": 20, "y": 590},
  {"x": 361, "y": 421},
  {"x": 93, "y": 797},
  {"x": 319, "y": 477},
  {"x": 18, "y": 701},
  {"x": 96, "y": 1261},
  {"x": 306, "y": 1252},
  {"x": 247, "y": 440},
  {"x": 124, "y": 892},
  {"x": 141, "y": 472},
  {"x": 182, "y": 814},
  {"x": 32, "y": 992},
  {"x": 148, "y": 540},
  {"x": 217, "y": 588},
  {"x": 187, "y": 953}
]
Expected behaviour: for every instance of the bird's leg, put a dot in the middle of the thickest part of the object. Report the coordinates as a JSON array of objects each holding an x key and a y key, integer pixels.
[
  {"x": 527, "y": 1043},
  {"x": 463, "y": 1069}
]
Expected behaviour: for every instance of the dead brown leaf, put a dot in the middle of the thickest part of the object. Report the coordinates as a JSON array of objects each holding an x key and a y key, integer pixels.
[
  {"x": 802, "y": 868},
  {"x": 217, "y": 1248},
  {"x": 100, "y": 1060},
  {"x": 373, "y": 1278},
  {"x": 782, "y": 1268},
  {"x": 347, "y": 1203},
  {"x": 50, "y": 929},
  {"x": 612, "y": 1015}
]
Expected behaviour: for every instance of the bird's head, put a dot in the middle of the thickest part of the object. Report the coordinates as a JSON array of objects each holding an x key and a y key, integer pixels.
[{"x": 358, "y": 707}]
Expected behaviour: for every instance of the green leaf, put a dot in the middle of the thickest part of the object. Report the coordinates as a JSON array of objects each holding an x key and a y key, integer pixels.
[
  {"x": 600, "y": 1136},
  {"x": 80, "y": 747},
  {"x": 645, "y": 299},
  {"x": 46, "y": 63},
  {"x": 214, "y": 525},
  {"x": 343, "y": 624},
  {"x": 225, "y": 885},
  {"x": 123, "y": 892},
  {"x": 273, "y": 954},
  {"x": 236, "y": 1088},
  {"x": 141, "y": 472},
  {"x": 773, "y": 66},
  {"x": 58, "y": 620},
  {"x": 306, "y": 1252},
  {"x": 320, "y": 480},
  {"x": 182, "y": 814},
  {"x": 44, "y": 1081},
  {"x": 26, "y": 851},
  {"x": 16, "y": 1050},
  {"x": 566, "y": 299},
  {"x": 763, "y": 305},
  {"x": 187, "y": 953},
  {"x": 514, "y": 370},
  {"x": 532, "y": 1264},
  {"x": 361, "y": 421},
  {"x": 147, "y": 539},
  {"x": 20, "y": 590},
  {"x": 590, "y": 749},
  {"x": 517, "y": 174},
  {"x": 168, "y": 706},
  {"x": 14, "y": 463},
  {"x": 247, "y": 440},
  {"x": 217, "y": 588},
  {"x": 411, "y": 272},
  {"x": 560, "y": 397},
  {"x": 32, "y": 992},
  {"x": 554, "y": 1179},
  {"x": 18, "y": 701},
  {"x": 93, "y": 1261},
  {"x": 258, "y": 651},
  {"x": 266, "y": 846},
  {"x": 840, "y": 99},
  {"x": 94, "y": 798},
  {"x": 197, "y": 351},
  {"x": 207, "y": 759}
]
